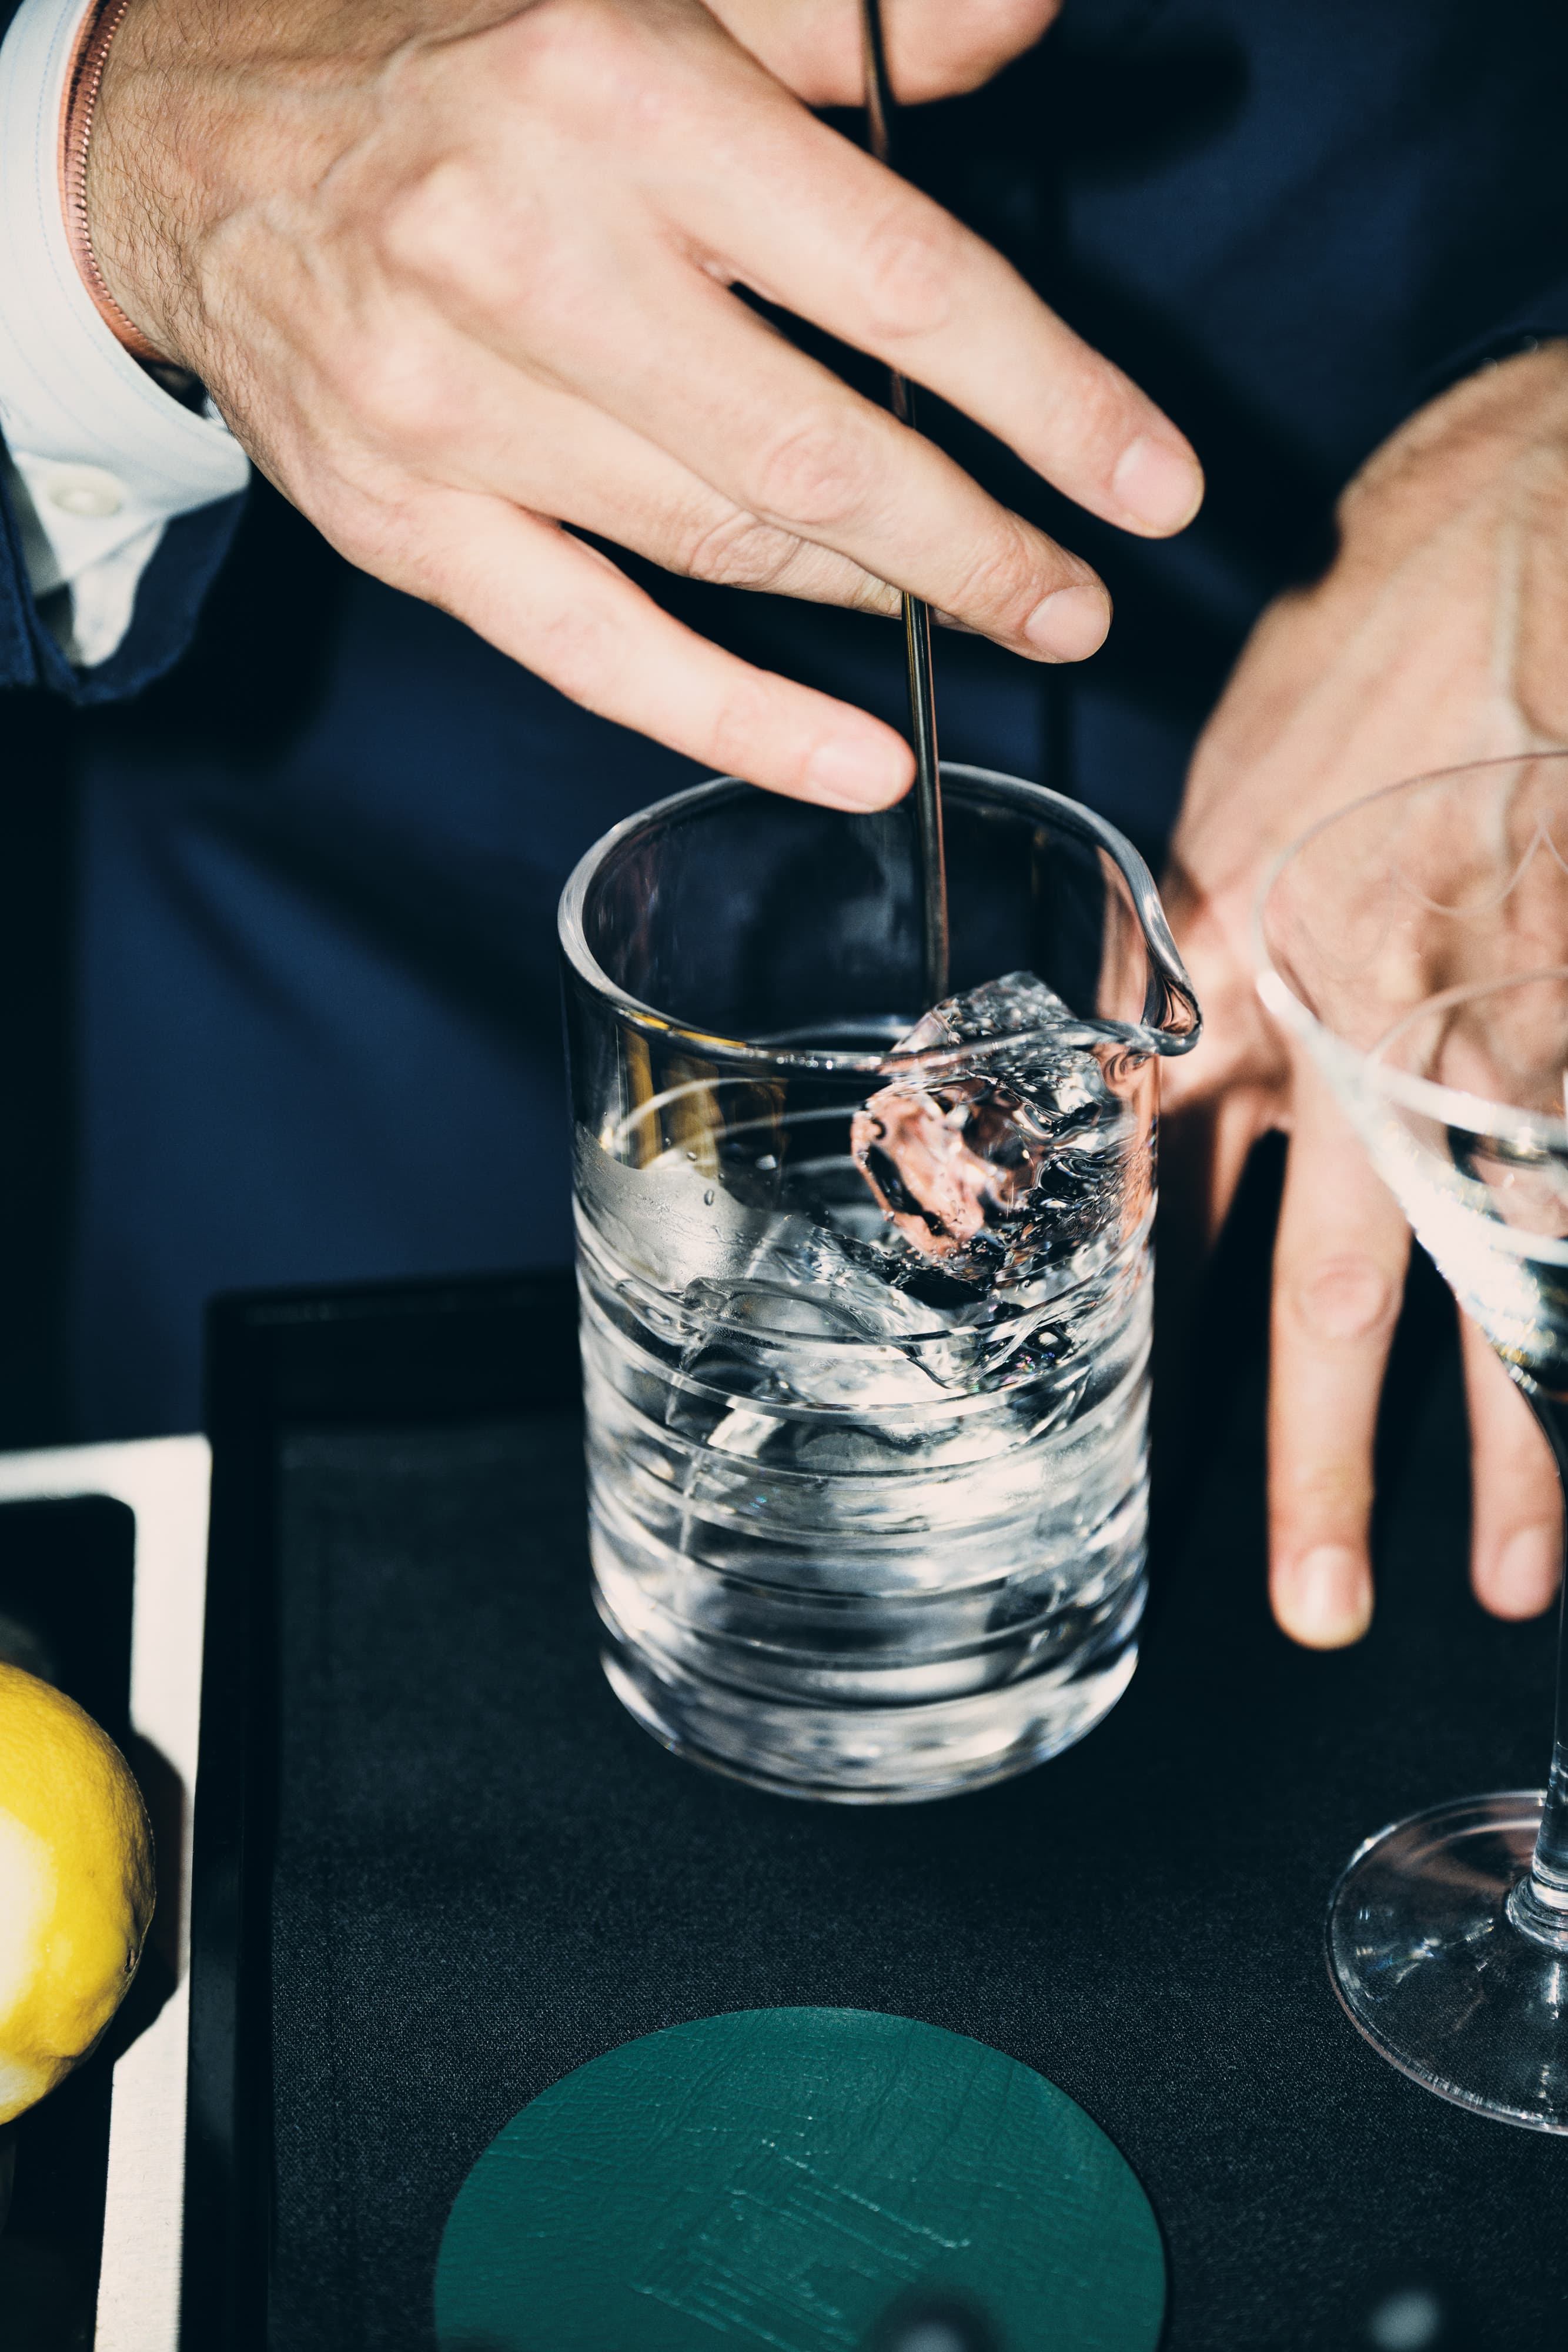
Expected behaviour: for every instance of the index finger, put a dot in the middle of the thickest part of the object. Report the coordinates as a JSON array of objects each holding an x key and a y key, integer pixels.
[{"x": 810, "y": 222}]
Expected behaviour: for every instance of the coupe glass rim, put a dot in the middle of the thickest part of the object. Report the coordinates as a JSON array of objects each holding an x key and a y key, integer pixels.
[
  {"x": 1451, "y": 1105},
  {"x": 1174, "y": 1031}
]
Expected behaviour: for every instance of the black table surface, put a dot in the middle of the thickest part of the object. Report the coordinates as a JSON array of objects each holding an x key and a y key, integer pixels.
[{"x": 478, "y": 1874}]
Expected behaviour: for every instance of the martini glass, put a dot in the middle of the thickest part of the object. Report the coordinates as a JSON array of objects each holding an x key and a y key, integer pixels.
[{"x": 1417, "y": 943}]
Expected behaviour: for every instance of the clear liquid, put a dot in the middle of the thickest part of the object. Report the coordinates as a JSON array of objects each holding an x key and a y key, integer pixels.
[
  {"x": 1491, "y": 1213},
  {"x": 1489, "y": 1229},
  {"x": 868, "y": 1513}
]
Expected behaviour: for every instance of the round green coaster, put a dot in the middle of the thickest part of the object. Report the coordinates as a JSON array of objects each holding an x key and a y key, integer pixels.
[{"x": 775, "y": 2179}]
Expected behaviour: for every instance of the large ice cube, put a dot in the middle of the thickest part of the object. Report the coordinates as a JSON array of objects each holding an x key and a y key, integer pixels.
[
  {"x": 822, "y": 1346},
  {"x": 671, "y": 1222},
  {"x": 998, "y": 1169},
  {"x": 991, "y": 1178}
]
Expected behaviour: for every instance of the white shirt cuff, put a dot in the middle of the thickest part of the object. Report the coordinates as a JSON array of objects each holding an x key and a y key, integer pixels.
[{"x": 100, "y": 456}]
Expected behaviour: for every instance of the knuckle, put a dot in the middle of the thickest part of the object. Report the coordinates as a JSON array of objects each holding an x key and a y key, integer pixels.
[
  {"x": 1349, "y": 1297},
  {"x": 403, "y": 398},
  {"x": 909, "y": 269},
  {"x": 445, "y": 233},
  {"x": 822, "y": 470},
  {"x": 371, "y": 518},
  {"x": 1313, "y": 1497},
  {"x": 1003, "y": 578},
  {"x": 1318, "y": 1486},
  {"x": 742, "y": 720},
  {"x": 738, "y": 551},
  {"x": 580, "y": 649},
  {"x": 1093, "y": 405},
  {"x": 583, "y": 63},
  {"x": 426, "y": 229}
]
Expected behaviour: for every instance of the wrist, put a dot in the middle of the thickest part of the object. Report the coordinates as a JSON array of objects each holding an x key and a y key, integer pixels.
[
  {"x": 124, "y": 218},
  {"x": 1459, "y": 453},
  {"x": 1463, "y": 443},
  {"x": 207, "y": 113},
  {"x": 95, "y": 36}
]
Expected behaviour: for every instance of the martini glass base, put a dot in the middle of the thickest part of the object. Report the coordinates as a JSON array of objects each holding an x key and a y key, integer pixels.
[{"x": 1424, "y": 1955}]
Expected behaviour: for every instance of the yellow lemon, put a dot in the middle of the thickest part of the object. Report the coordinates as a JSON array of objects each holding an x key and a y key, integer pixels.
[{"x": 75, "y": 1885}]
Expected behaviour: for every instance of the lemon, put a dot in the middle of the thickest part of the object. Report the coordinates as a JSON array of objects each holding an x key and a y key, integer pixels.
[{"x": 75, "y": 1885}]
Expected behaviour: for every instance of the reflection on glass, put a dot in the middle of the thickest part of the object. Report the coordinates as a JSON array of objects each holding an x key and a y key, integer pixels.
[{"x": 1418, "y": 943}]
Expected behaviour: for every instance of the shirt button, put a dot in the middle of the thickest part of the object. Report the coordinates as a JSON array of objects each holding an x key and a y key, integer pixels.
[{"x": 84, "y": 490}]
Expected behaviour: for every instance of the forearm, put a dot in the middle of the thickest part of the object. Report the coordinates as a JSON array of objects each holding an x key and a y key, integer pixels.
[{"x": 207, "y": 111}]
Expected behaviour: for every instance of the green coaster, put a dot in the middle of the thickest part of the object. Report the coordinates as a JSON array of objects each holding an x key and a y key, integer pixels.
[{"x": 775, "y": 2179}]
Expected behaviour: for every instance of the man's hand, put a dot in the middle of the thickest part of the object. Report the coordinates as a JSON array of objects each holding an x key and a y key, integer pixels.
[
  {"x": 1438, "y": 636},
  {"x": 458, "y": 277}
]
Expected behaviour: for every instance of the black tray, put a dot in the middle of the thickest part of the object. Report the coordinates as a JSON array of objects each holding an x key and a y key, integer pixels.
[
  {"x": 65, "y": 1586},
  {"x": 436, "y": 1866}
]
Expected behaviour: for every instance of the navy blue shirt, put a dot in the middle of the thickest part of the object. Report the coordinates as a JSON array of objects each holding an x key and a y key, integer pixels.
[{"x": 318, "y": 852}]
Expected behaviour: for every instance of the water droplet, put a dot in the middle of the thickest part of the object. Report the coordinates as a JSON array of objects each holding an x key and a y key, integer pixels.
[{"x": 708, "y": 1200}]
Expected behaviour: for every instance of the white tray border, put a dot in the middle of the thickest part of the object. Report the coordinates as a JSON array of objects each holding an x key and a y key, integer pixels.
[{"x": 165, "y": 1482}]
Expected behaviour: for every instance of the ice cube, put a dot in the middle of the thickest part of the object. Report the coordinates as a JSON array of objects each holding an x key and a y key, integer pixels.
[
  {"x": 671, "y": 1222},
  {"x": 997, "y": 1170},
  {"x": 768, "y": 1341},
  {"x": 999, "y": 1008}
]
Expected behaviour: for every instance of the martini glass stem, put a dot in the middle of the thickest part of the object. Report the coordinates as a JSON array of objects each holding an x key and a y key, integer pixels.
[{"x": 1538, "y": 1904}]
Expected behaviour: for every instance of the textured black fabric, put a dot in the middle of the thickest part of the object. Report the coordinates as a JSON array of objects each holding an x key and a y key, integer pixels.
[{"x": 486, "y": 1875}]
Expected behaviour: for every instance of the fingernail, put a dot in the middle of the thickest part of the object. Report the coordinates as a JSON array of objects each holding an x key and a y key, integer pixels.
[
  {"x": 1325, "y": 1598},
  {"x": 854, "y": 771},
  {"x": 1524, "y": 1578},
  {"x": 1070, "y": 623},
  {"x": 1157, "y": 486}
]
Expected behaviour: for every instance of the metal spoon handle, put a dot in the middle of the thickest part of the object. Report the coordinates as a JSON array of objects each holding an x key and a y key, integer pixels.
[{"x": 879, "y": 107}]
